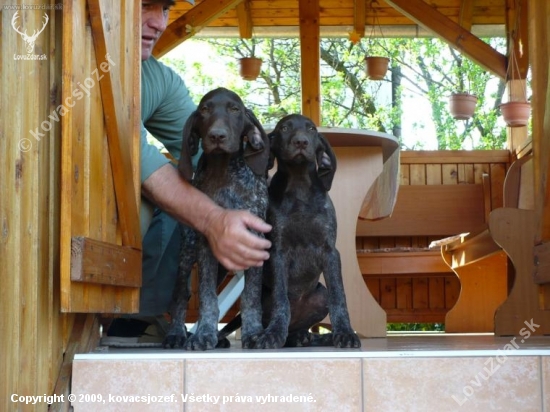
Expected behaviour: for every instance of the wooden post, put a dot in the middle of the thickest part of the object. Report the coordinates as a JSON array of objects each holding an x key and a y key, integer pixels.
[{"x": 310, "y": 60}]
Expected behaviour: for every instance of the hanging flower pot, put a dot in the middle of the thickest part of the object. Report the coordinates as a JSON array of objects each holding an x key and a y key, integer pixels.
[
  {"x": 376, "y": 67},
  {"x": 250, "y": 67},
  {"x": 516, "y": 114},
  {"x": 462, "y": 105}
]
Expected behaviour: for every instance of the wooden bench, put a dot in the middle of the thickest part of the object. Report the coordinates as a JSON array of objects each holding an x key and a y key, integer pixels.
[
  {"x": 424, "y": 290},
  {"x": 510, "y": 233}
]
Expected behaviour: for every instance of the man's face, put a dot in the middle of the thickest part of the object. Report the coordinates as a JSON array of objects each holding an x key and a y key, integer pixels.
[{"x": 154, "y": 16}]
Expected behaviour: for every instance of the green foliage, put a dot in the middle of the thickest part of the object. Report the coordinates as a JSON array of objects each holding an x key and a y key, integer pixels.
[
  {"x": 416, "y": 327},
  {"x": 423, "y": 70}
]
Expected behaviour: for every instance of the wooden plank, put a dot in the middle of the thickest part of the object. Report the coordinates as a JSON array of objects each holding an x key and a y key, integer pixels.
[
  {"x": 454, "y": 156},
  {"x": 452, "y": 291},
  {"x": 457, "y": 37},
  {"x": 436, "y": 292},
  {"x": 433, "y": 174},
  {"x": 191, "y": 23},
  {"x": 84, "y": 143},
  {"x": 417, "y": 174},
  {"x": 94, "y": 261},
  {"x": 541, "y": 272},
  {"x": 539, "y": 44},
  {"x": 483, "y": 289},
  {"x": 387, "y": 293},
  {"x": 374, "y": 288},
  {"x": 441, "y": 210},
  {"x": 470, "y": 249},
  {"x": 517, "y": 35},
  {"x": 395, "y": 263},
  {"x": 403, "y": 293},
  {"x": 119, "y": 149},
  {"x": 420, "y": 293},
  {"x": 449, "y": 173},
  {"x": 310, "y": 60},
  {"x": 514, "y": 231}
]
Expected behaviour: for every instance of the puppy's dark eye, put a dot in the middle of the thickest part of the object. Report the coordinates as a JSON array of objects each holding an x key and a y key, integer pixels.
[
  {"x": 204, "y": 110},
  {"x": 284, "y": 128},
  {"x": 234, "y": 109},
  {"x": 311, "y": 128}
]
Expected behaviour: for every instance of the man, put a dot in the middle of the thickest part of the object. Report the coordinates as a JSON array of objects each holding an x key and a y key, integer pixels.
[{"x": 167, "y": 197}]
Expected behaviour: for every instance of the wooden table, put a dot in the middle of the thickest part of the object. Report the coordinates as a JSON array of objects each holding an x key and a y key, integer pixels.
[{"x": 365, "y": 185}]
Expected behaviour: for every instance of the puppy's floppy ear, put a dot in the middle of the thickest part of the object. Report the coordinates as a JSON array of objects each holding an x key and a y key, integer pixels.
[
  {"x": 256, "y": 152},
  {"x": 189, "y": 147},
  {"x": 326, "y": 162}
]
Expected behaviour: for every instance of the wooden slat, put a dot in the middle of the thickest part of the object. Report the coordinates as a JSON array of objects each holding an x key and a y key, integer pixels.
[
  {"x": 541, "y": 273},
  {"x": 94, "y": 261},
  {"x": 395, "y": 263},
  {"x": 452, "y": 33},
  {"x": 454, "y": 156},
  {"x": 514, "y": 230},
  {"x": 404, "y": 293},
  {"x": 420, "y": 293},
  {"x": 387, "y": 293},
  {"x": 310, "y": 60},
  {"x": 517, "y": 35},
  {"x": 119, "y": 149},
  {"x": 539, "y": 43},
  {"x": 431, "y": 210},
  {"x": 436, "y": 291},
  {"x": 84, "y": 146},
  {"x": 471, "y": 248}
]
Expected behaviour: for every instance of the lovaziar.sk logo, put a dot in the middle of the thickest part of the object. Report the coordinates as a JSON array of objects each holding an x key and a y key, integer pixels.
[{"x": 30, "y": 40}]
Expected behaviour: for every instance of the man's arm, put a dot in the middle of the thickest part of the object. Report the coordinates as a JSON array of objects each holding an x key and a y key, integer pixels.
[{"x": 227, "y": 231}]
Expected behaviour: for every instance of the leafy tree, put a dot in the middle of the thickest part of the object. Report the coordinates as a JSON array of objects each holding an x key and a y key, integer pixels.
[{"x": 420, "y": 68}]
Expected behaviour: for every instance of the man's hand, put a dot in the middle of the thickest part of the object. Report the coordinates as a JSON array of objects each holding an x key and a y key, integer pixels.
[
  {"x": 229, "y": 236},
  {"x": 228, "y": 231}
]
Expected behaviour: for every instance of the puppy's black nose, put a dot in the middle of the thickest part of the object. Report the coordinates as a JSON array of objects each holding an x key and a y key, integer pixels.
[
  {"x": 217, "y": 135},
  {"x": 300, "y": 142}
]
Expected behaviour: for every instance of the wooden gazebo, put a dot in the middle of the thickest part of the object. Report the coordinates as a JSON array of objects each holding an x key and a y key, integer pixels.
[{"x": 69, "y": 128}]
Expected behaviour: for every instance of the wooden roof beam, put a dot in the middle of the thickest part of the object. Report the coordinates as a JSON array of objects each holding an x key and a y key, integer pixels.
[
  {"x": 245, "y": 19},
  {"x": 459, "y": 38},
  {"x": 359, "y": 16},
  {"x": 190, "y": 23},
  {"x": 310, "y": 48},
  {"x": 466, "y": 14}
]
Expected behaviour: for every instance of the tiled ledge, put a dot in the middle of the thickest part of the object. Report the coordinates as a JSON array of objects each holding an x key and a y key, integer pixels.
[
  {"x": 413, "y": 373},
  {"x": 413, "y": 345}
]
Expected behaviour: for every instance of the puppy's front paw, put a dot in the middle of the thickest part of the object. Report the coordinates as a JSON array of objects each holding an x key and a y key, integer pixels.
[
  {"x": 202, "y": 341},
  {"x": 346, "y": 340},
  {"x": 299, "y": 339},
  {"x": 175, "y": 338},
  {"x": 273, "y": 339}
]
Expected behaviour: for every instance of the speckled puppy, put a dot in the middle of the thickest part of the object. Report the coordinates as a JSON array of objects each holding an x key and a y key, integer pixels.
[
  {"x": 232, "y": 171},
  {"x": 303, "y": 242}
]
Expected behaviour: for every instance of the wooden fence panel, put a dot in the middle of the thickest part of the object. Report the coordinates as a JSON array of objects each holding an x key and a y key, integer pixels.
[{"x": 92, "y": 138}]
